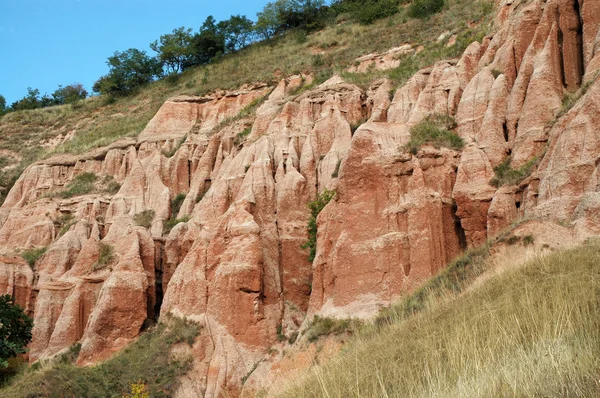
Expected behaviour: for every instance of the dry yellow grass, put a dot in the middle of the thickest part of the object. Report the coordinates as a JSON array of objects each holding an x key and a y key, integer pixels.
[{"x": 532, "y": 331}]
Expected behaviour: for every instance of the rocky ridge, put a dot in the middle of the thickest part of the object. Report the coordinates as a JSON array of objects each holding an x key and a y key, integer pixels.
[{"x": 249, "y": 161}]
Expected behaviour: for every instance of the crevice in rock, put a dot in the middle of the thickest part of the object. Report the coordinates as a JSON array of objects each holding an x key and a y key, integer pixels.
[{"x": 458, "y": 228}]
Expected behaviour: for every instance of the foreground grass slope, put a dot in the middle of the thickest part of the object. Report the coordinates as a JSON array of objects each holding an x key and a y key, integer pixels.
[
  {"x": 533, "y": 331},
  {"x": 27, "y": 136}
]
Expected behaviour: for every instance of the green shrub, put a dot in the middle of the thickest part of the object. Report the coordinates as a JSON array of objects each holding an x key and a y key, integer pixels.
[
  {"x": 176, "y": 204},
  {"x": 425, "y": 8},
  {"x": 105, "y": 257},
  {"x": 82, "y": 184},
  {"x": 336, "y": 172},
  {"x": 528, "y": 240},
  {"x": 169, "y": 224},
  {"x": 110, "y": 185},
  {"x": 315, "y": 208},
  {"x": 434, "y": 130},
  {"x": 32, "y": 255},
  {"x": 505, "y": 175},
  {"x": 64, "y": 222},
  {"x": 144, "y": 219},
  {"x": 367, "y": 11},
  {"x": 239, "y": 139},
  {"x": 325, "y": 326},
  {"x": 147, "y": 360}
]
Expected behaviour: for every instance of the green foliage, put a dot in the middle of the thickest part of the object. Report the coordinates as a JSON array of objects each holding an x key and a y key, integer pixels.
[
  {"x": 528, "y": 240},
  {"x": 325, "y": 326},
  {"x": 434, "y": 130},
  {"x": 69, "y": 94},
  {"x": 239, "y": 139},
  {"x": 237, "y": 32},
  {"x": 316, "y": 207},
  {"x": 366, "y": 11},
  {"x": 64, "y": 222},
  {"x": 144, "y": 219},
  {"x": 128, "y": 70},
  {"x": 146, "y": 361},
  {"x": 15, "y": 330},
  {"x": 173, "y": 151},
  {"x": 82, "y": 184},
  {"x": 169, "y": 224},
  {"x": 569, "y": 100},
  {"x": 176, "y": 204},
  {"x": 174, "y": 49},
  {"x": 282, "y": 15},
  {"x": 32, "y": 255},
  {"x": 2, "y": 105},
  {"x": 425, "y": 8},
  {"x": 506, "y": 175},
  {"x": 105, "y": 256}
]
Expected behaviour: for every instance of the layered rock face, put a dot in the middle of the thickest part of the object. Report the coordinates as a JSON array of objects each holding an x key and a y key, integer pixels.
[{"x": 248, "y": 162}]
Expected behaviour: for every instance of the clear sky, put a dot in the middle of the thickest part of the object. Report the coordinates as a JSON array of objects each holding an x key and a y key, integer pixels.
[{"x": 44, "y": 43}]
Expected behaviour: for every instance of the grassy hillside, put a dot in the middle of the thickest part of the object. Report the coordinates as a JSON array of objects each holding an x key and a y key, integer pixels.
[
  {"x": 147, "y": 361},
  {"x": 533, "y": 331},
  {"x": 25, "y": 135}
]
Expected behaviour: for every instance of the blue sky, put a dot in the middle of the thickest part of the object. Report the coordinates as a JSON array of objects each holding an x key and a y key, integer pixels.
[{"x": 44, "y": 43}]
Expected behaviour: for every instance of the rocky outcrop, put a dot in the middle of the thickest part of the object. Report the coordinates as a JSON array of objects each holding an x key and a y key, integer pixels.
[{"x": 249, "y": 161}]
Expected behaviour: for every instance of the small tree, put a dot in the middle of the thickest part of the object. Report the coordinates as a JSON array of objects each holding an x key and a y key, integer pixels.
[
  {"x": 2, "y": 105},
  {"x": 15, "y": 330},
  {"x": 69, "y": 94},
  {"x": 237, "y": 31},
  {"x": 207, "y": 43},
  {"x": 315, "y": 207},
  {"x": 174, "y": 49},
  {"x": 128, "y": 70}
]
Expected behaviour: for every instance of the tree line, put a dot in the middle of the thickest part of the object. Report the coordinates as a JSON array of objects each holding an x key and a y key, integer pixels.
[{"x": 183, "y": 48}]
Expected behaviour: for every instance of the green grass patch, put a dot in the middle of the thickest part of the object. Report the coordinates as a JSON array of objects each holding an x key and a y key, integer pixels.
[
  {"x": 506, "y": 175},
  {"x": 146, "y": 360},
  {"x": 434, "y": 130},
  {"x": 325, "y": 326},
  {"x": 169, "y": 224},
  {"x": 144, "y": 218},
  {"x": 425, "y": 8},
  {"x": 33, "y": 255},
  {"x": 82, "y": 184},
  {"x": 316, "y": 207},
  {"x": 105, "y": 257}
]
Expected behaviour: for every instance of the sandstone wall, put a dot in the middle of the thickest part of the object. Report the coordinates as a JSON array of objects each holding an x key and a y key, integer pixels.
[{"x": 235, "y": 264}]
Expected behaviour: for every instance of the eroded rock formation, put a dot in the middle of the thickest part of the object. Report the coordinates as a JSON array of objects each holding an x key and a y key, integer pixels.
[{"x": 249, "y": 161}]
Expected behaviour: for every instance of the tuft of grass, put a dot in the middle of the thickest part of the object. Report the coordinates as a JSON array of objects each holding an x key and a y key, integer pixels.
[
  {"x": 434, "y": 130},
  {"x": 569, "y": 100},
  {"x": 64, "y": 222},
  {"x": 425, "y": 8},
  {"x": 176, "y": 204},
  {"x": 507, "y": 337},
  {"x": 528, "y": 240},
  {"x": 82, "y": 184},
  {"x": 169, "y": 224},
  {"x": 316, "y": 206},
  {"x": 505, "y": 175},
  {"x": 106, "y": 256},
  {"x": 169, "y": 154},
  {"x": 326, "y": 326},
  {"x": 33, "y": 255},
  {"x": 241, "y": 137},
  {"x": 144, "y": 219},
  {"x": 146, "y": 360}
]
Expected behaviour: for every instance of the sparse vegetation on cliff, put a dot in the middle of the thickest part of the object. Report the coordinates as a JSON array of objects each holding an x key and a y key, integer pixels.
[
  {"x": 105, "y": 256},
  {"x": 316, "y": 207},
  {"x": 32, "y": 255},
  {"x": 507, "y": 337},
  {"x": 434, "y": 130},
  {"x": 506, "y": 175},
  {"x": 146, "y": 361},
  {"x": 144, "y": 218}
]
